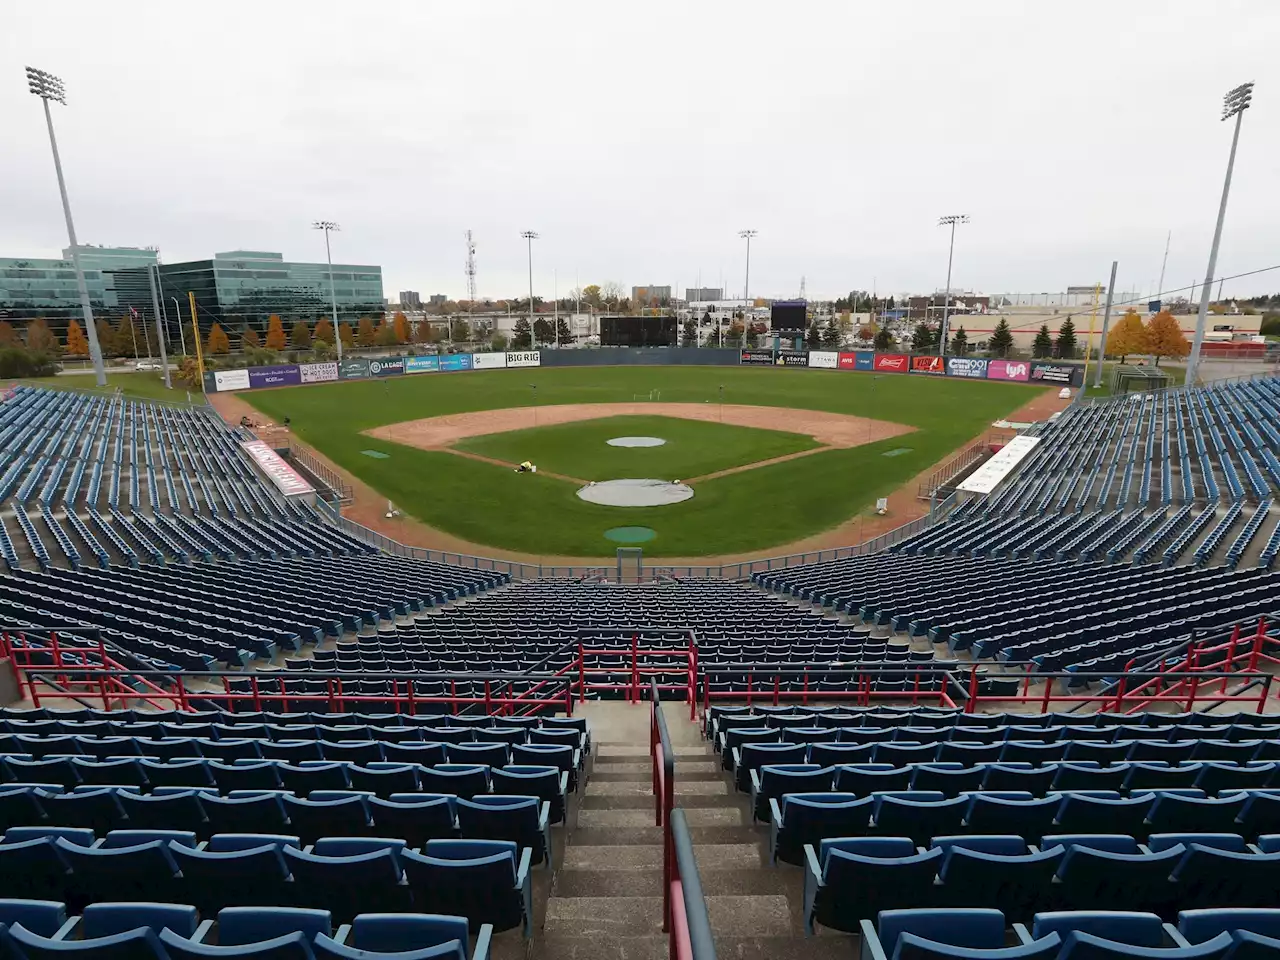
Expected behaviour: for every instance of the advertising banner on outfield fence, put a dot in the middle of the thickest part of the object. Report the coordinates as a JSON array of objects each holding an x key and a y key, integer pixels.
[
  {"x": 927, "y": 364},
  {"x": 891, "y": 363},
  {"x": 386, "y": 366},
  {"x": 458, "y": 361},
  {"x": 792, "y": 358},
  {"x": 318, "y": 372},
  {"x": 231, "y": 379},
  {"x": 757, "y": 356},
  {"x": 527, "y": 358},
  {"x": 488, "y": 361},
  {"x": 1008, "y": 370},
  {"x": 287, "y": 480},
  {"x": 277, "y": 376},
  {"x": 1053, "y": 372},
  {"x": 357, "y": 368},
  {"x": 973, "y": 367},
  {"x": 824, "y": 359},
  {"x": 421, "y": 364}
]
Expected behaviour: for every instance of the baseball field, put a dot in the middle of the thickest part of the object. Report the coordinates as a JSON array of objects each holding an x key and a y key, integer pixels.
[{"x": 771, "y": 455}]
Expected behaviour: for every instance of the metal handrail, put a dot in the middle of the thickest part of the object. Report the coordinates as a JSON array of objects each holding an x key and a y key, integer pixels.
[{"x": 702, "y": 944}]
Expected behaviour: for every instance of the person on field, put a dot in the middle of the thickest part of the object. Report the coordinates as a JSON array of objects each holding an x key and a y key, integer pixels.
[{"x": 525, "y": 467}]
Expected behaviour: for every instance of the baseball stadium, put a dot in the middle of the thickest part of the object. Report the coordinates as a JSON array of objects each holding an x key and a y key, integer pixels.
[{"x": 523, "y": 656}]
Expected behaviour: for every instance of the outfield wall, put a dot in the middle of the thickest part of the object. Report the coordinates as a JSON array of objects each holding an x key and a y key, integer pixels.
[{"x": 1046, "y": 372}]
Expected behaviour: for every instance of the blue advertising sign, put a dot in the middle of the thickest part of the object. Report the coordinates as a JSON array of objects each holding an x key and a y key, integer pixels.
[
  {"x": 455, "y": 361},
  {"x": 973, "y": 367},
  {"x": 421, "y": 364},
  {"x": 386, "y": 366},
  {"x": 864, "y": 360}
]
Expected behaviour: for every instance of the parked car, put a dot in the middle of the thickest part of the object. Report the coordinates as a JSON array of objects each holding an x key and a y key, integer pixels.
[{"x": 147, "y": 365}]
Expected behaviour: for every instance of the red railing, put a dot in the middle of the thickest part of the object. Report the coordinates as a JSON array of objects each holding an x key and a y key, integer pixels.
[{"x": 769, "y": 688}]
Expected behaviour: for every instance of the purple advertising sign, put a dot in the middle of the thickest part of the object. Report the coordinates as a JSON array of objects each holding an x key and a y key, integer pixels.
[
  {"x": 1008, "y": 370},
  {"x": 281, "y": 376}
]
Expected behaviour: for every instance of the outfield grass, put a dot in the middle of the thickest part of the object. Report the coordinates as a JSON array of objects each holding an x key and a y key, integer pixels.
[
  {"x": 693, "y": 447},
  {"x": 144, "y": 385},
  {"x": 751, "y": 510}
]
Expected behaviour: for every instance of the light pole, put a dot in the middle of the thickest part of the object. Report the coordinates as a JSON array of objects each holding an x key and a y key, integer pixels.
[
  {"x": 328, "y": 226},
  {"x": 48, "y": 87},
  {"x": 1234, "y": 104},
  {"x": 746, "y": 283},
  {"x": 182, "y": 331},
  {"x": 530, "y": 236},
  {"x": 951, "y": 220}
]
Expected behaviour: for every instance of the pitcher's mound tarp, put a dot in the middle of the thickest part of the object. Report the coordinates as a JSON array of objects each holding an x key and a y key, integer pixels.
[{"x": 635, "y": 493}]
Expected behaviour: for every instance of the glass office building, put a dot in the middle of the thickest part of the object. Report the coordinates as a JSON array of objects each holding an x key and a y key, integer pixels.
[
  {"x": 116, "y": 278},
  {"x": 241, "y": 289}
]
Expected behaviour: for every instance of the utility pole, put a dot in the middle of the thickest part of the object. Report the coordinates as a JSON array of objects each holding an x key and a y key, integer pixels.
[
  {"x": 530, "y": 236},
  {"x": 1234, "y": 104},
  {"x": 1106, "y": 322},
  {"x": 152, "y": 271}
]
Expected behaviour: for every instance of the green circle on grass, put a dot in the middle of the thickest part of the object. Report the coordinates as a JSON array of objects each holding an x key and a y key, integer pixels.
[{"x": 630, "y": 534}]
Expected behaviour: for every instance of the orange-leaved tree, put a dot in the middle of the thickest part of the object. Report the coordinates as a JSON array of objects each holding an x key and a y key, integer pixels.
[
  {"x": 1165, "y": 338},
  {"x": 365, "y": 335},
  {"x": 250, "y": 340},
  {"x": 300, "y": 335},
  {"x": 276, "y": 339},
  {"x": 217, "y": 343},
  {"x": 344, "y": 332},
  {"x": 386, "y": 335},
  {"x": 8, "y": 336},
  {"x": 40, "y": 338},
  {"x": 402, "y": 328},
  {"x": 1128, "y": 336},
  {"x": 323, "y": 332},
  {"x": 77, "y": 342}
]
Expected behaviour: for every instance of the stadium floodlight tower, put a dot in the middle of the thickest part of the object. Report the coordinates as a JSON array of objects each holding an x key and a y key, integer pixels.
[
  {"x": 530, "y": 236},
  {"x": 1234, "y": 104},
  {"x": 950, "y": 220},
  {"x": 48, "y": 87},
  {"x": 746, "y": 282},
  {"x": 328, "y": 226}
]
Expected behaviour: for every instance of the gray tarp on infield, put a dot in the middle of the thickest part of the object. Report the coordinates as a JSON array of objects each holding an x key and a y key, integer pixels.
[{"x": 635, "y": 493}]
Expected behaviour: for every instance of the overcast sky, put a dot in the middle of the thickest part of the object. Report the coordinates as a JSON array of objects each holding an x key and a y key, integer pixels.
[{"x": 639, "y": 138}]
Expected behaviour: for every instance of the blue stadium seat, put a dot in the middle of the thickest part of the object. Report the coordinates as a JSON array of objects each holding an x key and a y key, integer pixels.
[
  {"x": 847, "y": 880},
  {"x": 933, "y": 934},
  {"x": 481, "y": 880},
  {"x": 346, "y": 885},
  {"x": 408, "y": 935}
]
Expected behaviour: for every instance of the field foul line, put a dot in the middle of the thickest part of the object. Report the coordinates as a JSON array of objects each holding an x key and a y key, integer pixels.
[
  {"x": 743, "y": 468},
  {"x": 510, "y": 466}
]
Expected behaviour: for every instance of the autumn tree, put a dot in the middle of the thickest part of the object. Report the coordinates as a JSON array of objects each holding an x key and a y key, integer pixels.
[
  {"x": 401, "y": 325},
  {"x": 345, "y": 334},
  {"x": 1128, "y": 336},
  {"x": 125, "y": 337},
  {"x": 386, "y": 335},
  {"x": 868, "y": 332},
  {"x": 1001, "y": 341},
  {"x": 106, "y": 337},
  {"x": 323, "y": 333},
  {"x": 883, "y": 339},
  {"x": 591, "y": 294},
  {"x": 1042, "y": 345},
  {"x": 1165, "y": 338},
  {"x": 77, "y": 343},
  {"x": 250, "y": 340},
  {"x": 365, "y": 332},
  {"x": 275, "y": 333},
  {"x": 300, "y": 335},
  {"x": 960, "y": 343},
  {"x": 422, "y": 332},
  {"x": 217, "y": 343},
  {"x": 8, "y": 336},
  {"x": 1065, "y": 346}
]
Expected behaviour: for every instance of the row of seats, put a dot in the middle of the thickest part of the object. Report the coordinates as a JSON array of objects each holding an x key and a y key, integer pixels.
[{"x": 42, "y": 930}]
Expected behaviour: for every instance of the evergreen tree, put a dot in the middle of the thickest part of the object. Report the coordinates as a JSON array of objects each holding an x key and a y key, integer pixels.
[
  {"x": 1001, "y": 341},
  {"x": 300, "y": 336},
  {"x": 689, "y": 336},
  {"x": 813, "y": 339},
  {"x": 544, "y": 331},
  {"x": 563, "y": 334},
  {"x": 1065, "y": 347},
  {"x": 1042, "y": 345},
  {"x": 884, "y": 339},
  {"x": 960, "y": 343},
  {"x": 831, "y": 336},
  {"x": 522, "y": 338},
  {"x": 921, "y": 339}
]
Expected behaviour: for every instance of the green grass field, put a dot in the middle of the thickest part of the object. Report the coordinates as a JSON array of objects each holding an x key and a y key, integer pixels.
[
  {"x": 751, "y": 510},
  {"x": 144, "y": 385},
  {"x": 693, "y": 447}
]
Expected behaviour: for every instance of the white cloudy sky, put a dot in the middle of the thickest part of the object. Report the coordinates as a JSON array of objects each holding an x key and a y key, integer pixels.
[{"x": 639, "y": 138}]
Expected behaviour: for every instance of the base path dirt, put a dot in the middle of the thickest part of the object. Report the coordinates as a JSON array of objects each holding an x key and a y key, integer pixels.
[
  {"x": 368, "y": 507},
  {"x": 828, "y": 429}
]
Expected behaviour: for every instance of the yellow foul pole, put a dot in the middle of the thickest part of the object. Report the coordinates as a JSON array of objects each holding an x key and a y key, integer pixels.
[{"x": 195, "y": 328}]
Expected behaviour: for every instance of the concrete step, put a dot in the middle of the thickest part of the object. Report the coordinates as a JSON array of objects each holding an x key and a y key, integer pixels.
[
  {"x": 649, "y": 834},
  {"x": 712, "y": 817},
  {"x": 690, "y": 801},
  {"x": 772, "y": 948},
  {"x": 644, "y": 776},
  {"x": 603, "y": 916},
  {"x": 610, "y": 858},
  {"x": 631, "y": 751},
  {"x": 603, "y": 946},
  {"x": 767, "y": 915}
]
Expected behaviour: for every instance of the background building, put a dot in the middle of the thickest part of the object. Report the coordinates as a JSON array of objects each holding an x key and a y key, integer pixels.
[
  {"x": 116, "y": 278},
  {"x": 651, "y": 296},
  {"x": 438, "y": 300},
  {"x": 703, "y": 294},
  {"x": 241, "y": 289},
  {"x": 411, "y": 299}
]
